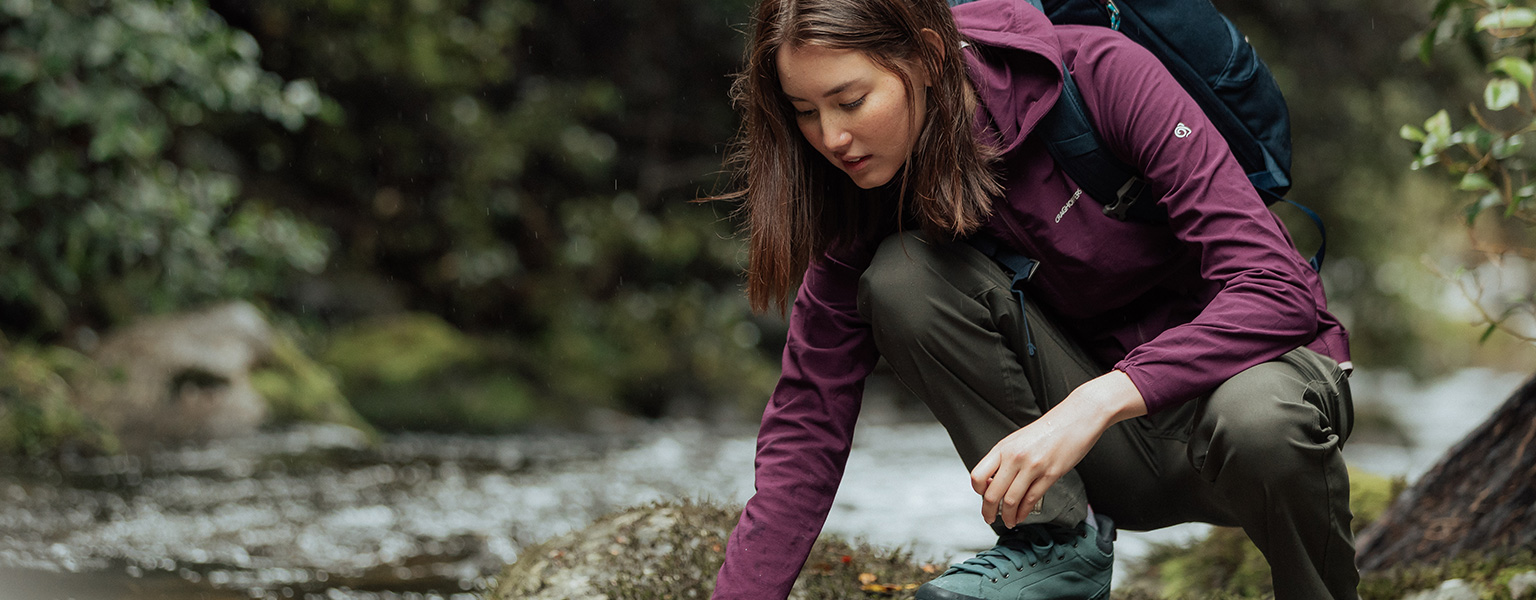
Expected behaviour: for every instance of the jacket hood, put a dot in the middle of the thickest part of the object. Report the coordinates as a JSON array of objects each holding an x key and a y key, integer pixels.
[{"x": 1013, "y": 62}]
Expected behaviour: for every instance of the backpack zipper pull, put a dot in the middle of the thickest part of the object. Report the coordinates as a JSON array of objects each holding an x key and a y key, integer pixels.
[{"x": 1114, "y": 13}]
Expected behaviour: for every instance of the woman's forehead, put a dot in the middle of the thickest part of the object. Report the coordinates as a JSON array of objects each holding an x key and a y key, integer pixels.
[{"x": 809, "y": 71}]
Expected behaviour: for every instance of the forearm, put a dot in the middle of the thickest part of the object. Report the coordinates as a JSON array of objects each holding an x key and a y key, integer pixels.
[{"x": 1100, "y": 403}]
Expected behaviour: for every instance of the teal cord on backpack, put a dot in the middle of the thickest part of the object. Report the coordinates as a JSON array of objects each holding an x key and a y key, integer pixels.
[{"x": 1214, "y": 63}]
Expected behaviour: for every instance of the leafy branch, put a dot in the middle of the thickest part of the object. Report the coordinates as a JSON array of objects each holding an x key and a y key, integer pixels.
[{"x": 1488, "y": 158}]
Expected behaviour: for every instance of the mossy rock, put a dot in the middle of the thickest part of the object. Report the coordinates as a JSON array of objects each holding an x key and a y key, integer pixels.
[
  {"x": 398, "y": 350},
  {"x": 1489, "y": 577},
  {"x": 674, "y": 550},
  {"x": 299, "y": 389},
  {"x": 416, "y": 372},
  {"x": 1225, "y": 564},
  {"x": 38, "y": 411}
]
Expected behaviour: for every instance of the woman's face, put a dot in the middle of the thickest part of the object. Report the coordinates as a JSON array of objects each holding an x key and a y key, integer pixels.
[{"x": 853, "y": 112}]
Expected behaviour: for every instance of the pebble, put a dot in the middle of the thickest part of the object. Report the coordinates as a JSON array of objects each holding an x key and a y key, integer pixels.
[{"x": 1522, "y": 585}]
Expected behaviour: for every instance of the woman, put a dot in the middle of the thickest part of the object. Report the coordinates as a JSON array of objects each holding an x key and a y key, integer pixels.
[{"x": 1155, "y": 374}]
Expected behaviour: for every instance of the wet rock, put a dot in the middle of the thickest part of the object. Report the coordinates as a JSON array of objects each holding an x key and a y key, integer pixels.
[
  {"x": 674, "y": 550},
  {"x": 678, "y": 545},
  {"x": 299, "y": 389},
  {"x": 180, "y": 377},
  {"x": 1523, "y": 585},
  {"x": 1454, "y": 589}
]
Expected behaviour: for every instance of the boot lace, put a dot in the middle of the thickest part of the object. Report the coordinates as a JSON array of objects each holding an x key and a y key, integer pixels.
[{"x": 1028, "y": 546}]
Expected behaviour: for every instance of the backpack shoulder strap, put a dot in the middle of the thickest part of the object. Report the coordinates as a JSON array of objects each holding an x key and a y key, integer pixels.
[{"x": 1074, "y": 143}]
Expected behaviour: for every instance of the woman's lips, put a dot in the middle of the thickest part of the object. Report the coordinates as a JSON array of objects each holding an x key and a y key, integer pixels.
[{"x": 854, "y": 164}]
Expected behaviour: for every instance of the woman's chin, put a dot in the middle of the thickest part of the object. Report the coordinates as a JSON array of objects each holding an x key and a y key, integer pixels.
[{"x": 869, "y": 181}]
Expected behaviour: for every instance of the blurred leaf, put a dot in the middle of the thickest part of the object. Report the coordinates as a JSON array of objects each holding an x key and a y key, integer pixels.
[
  {"x": 1501, "y": 93},
  {"x": 1412, "y": 134},
  {"x": 1507, "y": 18},
  {"x": 1483, "y": 202},
  {"x": 1507, "y": 147},
  {"x": 1515, "y": 67},
  {"x": 1475, "y": 181}
]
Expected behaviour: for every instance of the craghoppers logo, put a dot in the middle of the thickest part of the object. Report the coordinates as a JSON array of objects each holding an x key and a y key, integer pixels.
[
  {"x": 1182, "y": 131},
  {"x": 1070, "y": 201}
]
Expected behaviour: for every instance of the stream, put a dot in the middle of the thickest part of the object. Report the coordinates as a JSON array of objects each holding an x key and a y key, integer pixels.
[{"x": 316, "y": 512}]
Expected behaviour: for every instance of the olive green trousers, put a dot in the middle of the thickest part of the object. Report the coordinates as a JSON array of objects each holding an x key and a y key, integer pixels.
[{"x": 1260, "y": 452}]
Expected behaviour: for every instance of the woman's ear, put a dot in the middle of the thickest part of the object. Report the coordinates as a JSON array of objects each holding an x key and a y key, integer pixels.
[{"x": 932, "y": 38}]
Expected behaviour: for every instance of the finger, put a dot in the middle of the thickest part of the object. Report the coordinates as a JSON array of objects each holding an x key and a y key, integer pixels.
[
  {"x": 984, "y": 471},
  {"x": 1035, "y": 494},
  {"x": 1014, "y": 509},
  {"x": 992, "y": 495}
]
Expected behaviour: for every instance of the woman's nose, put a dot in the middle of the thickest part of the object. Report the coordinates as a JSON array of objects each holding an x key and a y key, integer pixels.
[{"x": 835, "y": 135}]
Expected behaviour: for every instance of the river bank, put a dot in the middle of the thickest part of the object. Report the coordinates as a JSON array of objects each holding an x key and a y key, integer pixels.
[{"x": 318, "y": 512}]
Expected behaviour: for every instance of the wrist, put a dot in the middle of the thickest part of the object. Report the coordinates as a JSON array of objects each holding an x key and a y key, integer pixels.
[{"x": 1110, "y": 398}]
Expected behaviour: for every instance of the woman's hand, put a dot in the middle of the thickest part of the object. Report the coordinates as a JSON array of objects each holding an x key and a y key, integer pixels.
[{"x": 1015, "y": 474}]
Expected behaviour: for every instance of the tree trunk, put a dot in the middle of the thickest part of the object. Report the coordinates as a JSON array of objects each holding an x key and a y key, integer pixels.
[{"x": 1481, "y": 496}]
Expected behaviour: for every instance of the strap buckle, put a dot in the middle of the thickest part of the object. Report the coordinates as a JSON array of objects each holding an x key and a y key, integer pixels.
[{"x": 1125, "y": 198}]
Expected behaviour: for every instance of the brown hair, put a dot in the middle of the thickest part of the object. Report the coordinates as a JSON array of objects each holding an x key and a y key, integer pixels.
[{"x": 796, "y": 203}]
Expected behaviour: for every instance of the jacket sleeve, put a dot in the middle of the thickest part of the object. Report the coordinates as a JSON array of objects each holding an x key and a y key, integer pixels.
[
  {"x": 1265, "y": 305},
  {"x": 807, "y": 429}
]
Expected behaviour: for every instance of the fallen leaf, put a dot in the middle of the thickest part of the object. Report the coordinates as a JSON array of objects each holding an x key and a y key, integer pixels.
[
  {"x": 867, "y": 578},
  {"x": 715, "y": 547},
  {"x": 847, "y": 559},
  {"x": 930, "y": 569}
]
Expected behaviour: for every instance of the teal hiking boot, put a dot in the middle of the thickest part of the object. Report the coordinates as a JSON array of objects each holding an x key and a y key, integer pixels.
[{"x": 1034, "y": 562}]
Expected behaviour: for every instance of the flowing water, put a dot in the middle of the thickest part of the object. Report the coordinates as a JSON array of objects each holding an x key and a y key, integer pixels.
[{"x": 317, "y": 512}]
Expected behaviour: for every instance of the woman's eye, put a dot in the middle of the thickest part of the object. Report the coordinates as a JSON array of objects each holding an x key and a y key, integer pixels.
[
  {"x": 804, "y": 113},
  {"x": 854, "y": 104}
]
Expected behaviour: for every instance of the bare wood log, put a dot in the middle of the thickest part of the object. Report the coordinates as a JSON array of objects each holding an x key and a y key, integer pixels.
[{"x": 1480, "y": 497}]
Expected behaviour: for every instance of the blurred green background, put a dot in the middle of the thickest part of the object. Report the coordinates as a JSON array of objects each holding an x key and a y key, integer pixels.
[{"x": 490, "y": 202}]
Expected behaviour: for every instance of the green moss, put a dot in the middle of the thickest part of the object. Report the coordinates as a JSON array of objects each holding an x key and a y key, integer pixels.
[
  {"x": 1491, "y": 572},
  {"x": 398, "y": 350},
  {"x": 416, "y": 372},
  {"x": 38, "y": 415},
  {"x": 298, "y": 389},
  {"x": 466, "y": 403}
]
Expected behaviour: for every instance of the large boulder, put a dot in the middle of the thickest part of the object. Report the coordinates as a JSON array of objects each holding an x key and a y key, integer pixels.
[
  {"x": 673, "y": 550},
  {"x": 181, "y": 377}
]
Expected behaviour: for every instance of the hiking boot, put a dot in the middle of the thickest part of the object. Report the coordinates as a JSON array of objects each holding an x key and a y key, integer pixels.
[{"x": 1034, "y": 562}]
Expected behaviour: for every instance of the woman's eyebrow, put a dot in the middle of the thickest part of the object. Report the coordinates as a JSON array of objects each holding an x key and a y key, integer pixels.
[{"x": 832, "y": 92}]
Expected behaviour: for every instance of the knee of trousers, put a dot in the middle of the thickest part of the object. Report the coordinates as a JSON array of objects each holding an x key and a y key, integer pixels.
[
  {"x": 1259, "y": 429},
  {"x": 898, "y": 291}
]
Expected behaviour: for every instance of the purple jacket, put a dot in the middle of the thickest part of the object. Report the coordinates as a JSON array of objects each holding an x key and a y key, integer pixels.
[{"x": 1218, "y": 290}]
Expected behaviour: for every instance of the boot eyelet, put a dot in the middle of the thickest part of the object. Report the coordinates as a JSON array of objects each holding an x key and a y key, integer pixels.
[
  {"x": 1032, "y": 564},
  {"x": 994, "y": 580},
  {"x": 1005, "y": 575}
]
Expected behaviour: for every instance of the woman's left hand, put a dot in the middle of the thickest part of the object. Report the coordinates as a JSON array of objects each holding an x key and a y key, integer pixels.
[{"x": 1014, "y": 476}]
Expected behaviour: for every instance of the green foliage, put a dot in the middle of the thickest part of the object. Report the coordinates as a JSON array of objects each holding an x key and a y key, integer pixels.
[
  {"x": 107, "y": 207},
  {"x": 524, "y": 170},
  {"x": 38, "y": 415},
  {"x": 1488, "y": 156},
  {"x": 298, "y": 389}
]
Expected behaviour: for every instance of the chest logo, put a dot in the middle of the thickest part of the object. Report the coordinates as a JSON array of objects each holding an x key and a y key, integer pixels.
[
  {"x": 1182, "y": 131},
  {"x": 1070, "y": 201}
]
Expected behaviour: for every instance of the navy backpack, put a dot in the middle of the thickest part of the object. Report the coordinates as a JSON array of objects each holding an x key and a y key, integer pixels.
[{"x": 1214, "y": 64}]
